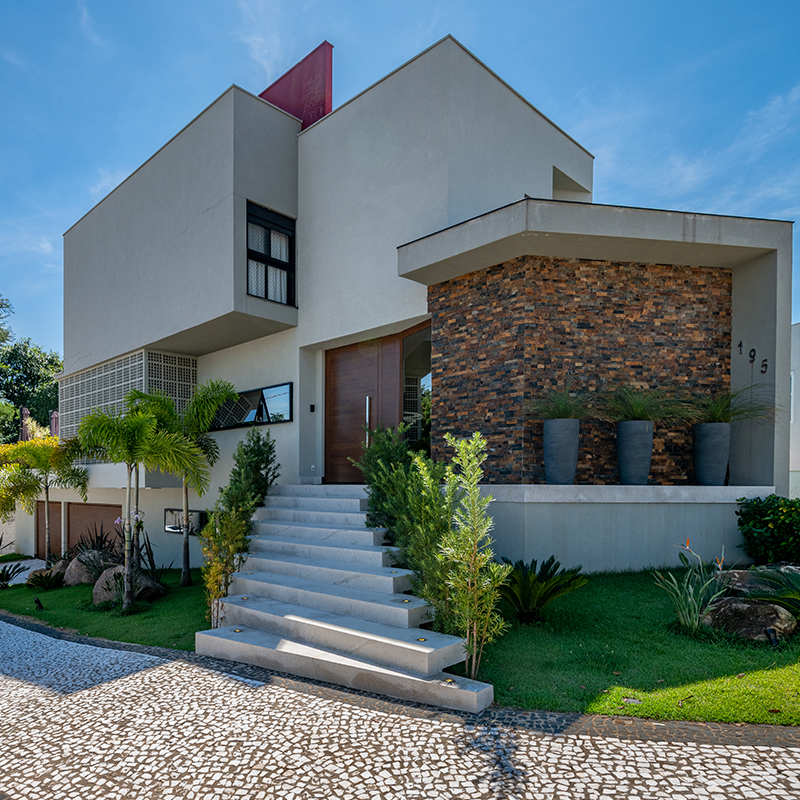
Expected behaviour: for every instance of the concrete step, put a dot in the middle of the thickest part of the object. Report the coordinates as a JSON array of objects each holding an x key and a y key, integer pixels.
[
  {"x": 352, "y": 504},
  {"x": 312, "y": 530},
  {"x": 401, "y": 610},
  {"x": 392, "y": 580},
  {"x": 254, "y": 646},
  {"x": 319, "y": 490},
  {"x": 316, "y": 550},
  {"x": 340, "y": 519},
  {"x": 414, "y": 649}
]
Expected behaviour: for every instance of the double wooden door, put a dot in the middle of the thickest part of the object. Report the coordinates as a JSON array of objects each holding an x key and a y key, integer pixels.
[{"x": 363, "y": 387}]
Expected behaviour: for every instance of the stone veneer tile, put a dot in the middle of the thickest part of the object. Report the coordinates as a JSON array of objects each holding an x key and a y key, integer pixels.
[{"x": 503, "y": 335}]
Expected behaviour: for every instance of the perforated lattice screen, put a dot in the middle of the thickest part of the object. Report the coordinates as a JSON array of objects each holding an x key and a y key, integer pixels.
[
  {"x": 412, "y": 410},
  {"x": 105, "y": 386},
  {"x": 101, "y": 387}
]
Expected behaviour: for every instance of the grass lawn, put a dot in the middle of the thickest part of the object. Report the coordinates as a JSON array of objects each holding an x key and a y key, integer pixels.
[
  {"x": 171, "y": 621},
  {"x": 614, "y": 639},
  {"x": 13, "y": 557}
]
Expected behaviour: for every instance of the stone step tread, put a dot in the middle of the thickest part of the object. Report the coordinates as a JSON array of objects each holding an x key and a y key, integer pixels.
[
  {"x": 338, "y": 566},
  {"x": 335, "y": 503},
  {"x": 334, "y": 590},
  {"x": 390, "y": 637},
  {"x": 343, "y": 519},
  {"x": 358, "y": 491},
  {"x": 320, "y": 533},
  {"x": 323, "y": 549},
  {"x": 255, "y": 646},
  {"x": 323, "y": 526}
]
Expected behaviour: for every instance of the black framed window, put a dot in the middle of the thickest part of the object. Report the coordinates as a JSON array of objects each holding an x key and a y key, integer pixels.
[
  {"x": 269, "y": 405},
  {"x": 270, "y": 255}
]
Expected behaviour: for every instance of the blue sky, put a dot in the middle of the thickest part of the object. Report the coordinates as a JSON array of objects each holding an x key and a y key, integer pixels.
[{"x": 686, "y": 105}]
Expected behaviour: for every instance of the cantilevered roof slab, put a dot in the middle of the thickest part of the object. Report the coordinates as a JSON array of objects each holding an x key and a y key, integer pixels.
[{"x": 584, "y": 230}]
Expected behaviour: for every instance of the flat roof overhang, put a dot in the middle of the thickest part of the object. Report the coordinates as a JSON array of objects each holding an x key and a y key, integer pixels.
[{"x": 564, "y": 229}]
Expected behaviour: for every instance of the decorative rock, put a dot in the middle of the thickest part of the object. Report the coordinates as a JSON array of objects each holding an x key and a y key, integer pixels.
[
  {"x": 34, "y": 572},
  {"x": 748, "y": 619},
  {"x": 60, "y": 567},
  {"x": 144, "y": 589},
  {"x": 77, "y": 572}
]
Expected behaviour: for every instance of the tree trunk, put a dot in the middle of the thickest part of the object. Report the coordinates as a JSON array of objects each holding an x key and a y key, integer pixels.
[
  {"x": 127, "y": 600},
  {"x": 137, "y": 548},
  {"x": 47, "y": 554},
  {"x": 186, "y": 572}
]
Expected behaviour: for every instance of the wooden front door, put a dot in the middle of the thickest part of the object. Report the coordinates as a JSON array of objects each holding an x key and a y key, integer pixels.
[{"x": 352, "y": 374}]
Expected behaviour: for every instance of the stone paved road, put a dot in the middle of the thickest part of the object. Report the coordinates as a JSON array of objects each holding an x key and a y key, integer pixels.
[{"x": 119, "y": 721}]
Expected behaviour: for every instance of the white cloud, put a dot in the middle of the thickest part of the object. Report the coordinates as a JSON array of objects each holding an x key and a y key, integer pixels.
[
  {"x": 88, "y": 27},
  {"x": 107, "y": 181},
  {"x": 12, "y": 58},
  {"x": 260, "y": 34}
]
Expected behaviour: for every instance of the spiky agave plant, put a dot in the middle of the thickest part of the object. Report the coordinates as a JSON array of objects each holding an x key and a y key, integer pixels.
[
  {"x": 560, "y": 404},
  {"x": 661, "y": 404},
  {"x": 529, "y": 589},
  {"x": 730, "y": 406}
]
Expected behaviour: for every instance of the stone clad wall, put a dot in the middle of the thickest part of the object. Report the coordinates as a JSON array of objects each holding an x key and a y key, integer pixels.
[{"x": 502, "y": 335}]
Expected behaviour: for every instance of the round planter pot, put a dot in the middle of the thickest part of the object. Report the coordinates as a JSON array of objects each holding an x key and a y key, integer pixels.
[
  {"x": 711, "y": 443},
  {"x": 634, "y": 450},
  {"x": 561, "y": 450}
]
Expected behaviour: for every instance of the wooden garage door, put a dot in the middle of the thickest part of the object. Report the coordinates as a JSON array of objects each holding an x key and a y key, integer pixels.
[
  {"x": 55, "y": 529},
  {"x": 84, "y": 516}
]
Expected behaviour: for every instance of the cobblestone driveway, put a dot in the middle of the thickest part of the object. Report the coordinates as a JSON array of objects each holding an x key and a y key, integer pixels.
[{"x": 120, "y": 721}]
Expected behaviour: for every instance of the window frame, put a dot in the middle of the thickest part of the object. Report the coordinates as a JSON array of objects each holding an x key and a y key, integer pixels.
[
  {"x": 272, "y": 221},
  {"x": 254, "y": 424}
]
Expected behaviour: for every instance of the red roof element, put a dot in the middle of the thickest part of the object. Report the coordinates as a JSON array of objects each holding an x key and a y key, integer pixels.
[{"x": 306, "y": 90}]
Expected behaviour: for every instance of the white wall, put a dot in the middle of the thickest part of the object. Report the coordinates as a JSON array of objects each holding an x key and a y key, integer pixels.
[
  {"x": 438, "y": 141},
  {"x": 794, "y": 427},
  {"x": 156, "y": 256}
]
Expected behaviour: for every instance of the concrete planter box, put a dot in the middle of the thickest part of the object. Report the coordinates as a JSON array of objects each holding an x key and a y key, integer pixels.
[
  {"x": 711, "y": 444},
  {"x": 561, "y": 450},
  {"x": 634, "y": 451}
]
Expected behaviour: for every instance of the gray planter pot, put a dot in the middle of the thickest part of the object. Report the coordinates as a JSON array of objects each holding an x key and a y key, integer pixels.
[
  {"x": 711, "y": 443},
  {"x": 561, "y": 450},
  {"x": 634, "y": 450}
]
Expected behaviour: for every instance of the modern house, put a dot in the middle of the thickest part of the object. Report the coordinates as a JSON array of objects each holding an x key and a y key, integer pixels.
[
  {"x": 794, "y": 410},
  {"x": 326, "y": 261}
]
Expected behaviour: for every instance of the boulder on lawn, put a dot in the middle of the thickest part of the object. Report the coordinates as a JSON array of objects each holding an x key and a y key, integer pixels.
[
  {"x": 144, "y": 589},
  {"x": 749, "y": 619},
  {"x": 34, "y": 572},
  {"x": 77, "y": 571},
  {"x": 60, "y": 567}
]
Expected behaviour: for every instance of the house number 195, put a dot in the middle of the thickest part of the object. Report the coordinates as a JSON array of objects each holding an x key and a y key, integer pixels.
[{"x": 752, "y": 355}]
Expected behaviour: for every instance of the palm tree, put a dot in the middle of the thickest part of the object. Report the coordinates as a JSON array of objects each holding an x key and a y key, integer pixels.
[
  {"x": 194, "y": 423},
  {"x": 29, "y": 468},
  {"x": 133, "y": 439}
]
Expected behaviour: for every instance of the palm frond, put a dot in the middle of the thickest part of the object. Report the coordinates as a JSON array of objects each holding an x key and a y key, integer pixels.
[
  {"x": 18, "y": 484},
  {"x": 158, "y": 404},
  {"x": 204, "y": 404},
  {"x": 174, "y": 453}
]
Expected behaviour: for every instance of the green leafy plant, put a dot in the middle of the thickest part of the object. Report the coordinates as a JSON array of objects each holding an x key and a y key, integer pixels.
[
  {"x": 700, "y": 585},
  {"x": 386, "y": 453},
  {"x": 560, "y": 404},
  {"x": 770, "y": 527},
  {"x": 624, "y": 403},
  {"x": 8, "y": 572},
  {"x": 224, "y": 542},
  {"x": 784, "y": 589},
  {"x": 46, "y": 580},
  {"x": 731, "y": 406},
  {"x": 529, "y": 590},
  {"x": 474, "y": 577}
]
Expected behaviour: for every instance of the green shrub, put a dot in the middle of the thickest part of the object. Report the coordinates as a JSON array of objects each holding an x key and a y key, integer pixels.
[
  {"x": 771, "y": 528},
  {"x": 422, "y": 511},
  {"x": 46, "y": 580},
  {"x": 699, "y": 587},
  {"x": 255, "y": 470},
  {"x": 224, "y": 542},
  {"x": 474, "y": 577},
  {"x": 560, "y": 404},
  {"x": 387, "y": 452},
  {"x": 529, "y": 591}
]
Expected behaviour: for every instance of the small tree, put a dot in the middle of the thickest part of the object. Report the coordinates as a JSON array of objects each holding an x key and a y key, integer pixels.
[
  {"x": 194, "y": 423},
  {"x": 255, "y": 469},
  {"x": 28, "y": 469},
  {"x": 474, "y": 576},
  {"x": 134, "y": 439},
  {"x": 27, "y": 378}
]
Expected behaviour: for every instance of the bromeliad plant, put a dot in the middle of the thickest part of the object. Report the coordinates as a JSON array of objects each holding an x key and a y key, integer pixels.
[
  {"x": 699, "y": 587},
  {"x": 529, "y": 590}
]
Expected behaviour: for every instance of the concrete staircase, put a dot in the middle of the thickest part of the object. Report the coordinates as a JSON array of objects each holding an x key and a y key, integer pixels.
[{"x": 318, "y": 597}]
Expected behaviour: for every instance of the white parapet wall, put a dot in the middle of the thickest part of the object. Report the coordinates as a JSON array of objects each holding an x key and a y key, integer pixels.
[{"x": 614, "y": 528}]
